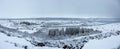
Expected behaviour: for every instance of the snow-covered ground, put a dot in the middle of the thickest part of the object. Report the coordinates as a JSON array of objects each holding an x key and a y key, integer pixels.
[
  {"x": 107, "y": 43},
  {"x": 113, "y": 27},
  {"x": 13, "y": 35},
  {"x": 7, "y": 42}
]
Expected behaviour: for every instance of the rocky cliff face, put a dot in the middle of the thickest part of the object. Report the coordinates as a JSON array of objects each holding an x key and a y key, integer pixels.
[{"x": 72, "y": 31}]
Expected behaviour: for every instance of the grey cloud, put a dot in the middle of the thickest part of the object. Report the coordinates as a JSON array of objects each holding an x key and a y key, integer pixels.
[{"x": 59, "y": 8}]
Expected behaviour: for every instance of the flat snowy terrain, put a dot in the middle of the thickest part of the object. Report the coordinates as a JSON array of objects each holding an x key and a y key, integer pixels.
[{"x": 107, "y": 43}]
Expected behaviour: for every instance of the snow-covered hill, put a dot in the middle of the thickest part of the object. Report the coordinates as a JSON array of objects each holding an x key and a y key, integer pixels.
[{"x": 9, "y": 42}]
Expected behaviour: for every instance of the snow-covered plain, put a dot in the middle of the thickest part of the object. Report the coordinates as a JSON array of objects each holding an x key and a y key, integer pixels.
[{"x": 26, "y": 33}]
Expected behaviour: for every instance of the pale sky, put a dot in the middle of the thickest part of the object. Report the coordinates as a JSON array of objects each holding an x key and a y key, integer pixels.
[{"x": 59, "y": 8}]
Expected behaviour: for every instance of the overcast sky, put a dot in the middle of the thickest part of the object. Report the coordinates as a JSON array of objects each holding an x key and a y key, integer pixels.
[{"x": 59, "y": 8}]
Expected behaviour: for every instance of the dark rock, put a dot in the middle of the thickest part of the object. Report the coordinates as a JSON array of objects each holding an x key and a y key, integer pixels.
[
  {"x": 81, "y": 46},
  {"x": 53, "y": 32},
  {"x": 2, "y": 31},
  {"x": 25, "y": 47},
  {"x": 72, "y": 31},
  {"x": 66, "y": 47},
  {"x": 28, "y": 23},
  {"x": 40, "y": 44}
]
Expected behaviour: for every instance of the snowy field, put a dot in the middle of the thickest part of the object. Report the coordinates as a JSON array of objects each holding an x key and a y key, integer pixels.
[{"x": 60, "y": 33}]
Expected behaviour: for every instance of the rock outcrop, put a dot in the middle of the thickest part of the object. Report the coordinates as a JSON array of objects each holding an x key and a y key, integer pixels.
[{"x": 71, "y": 31}]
